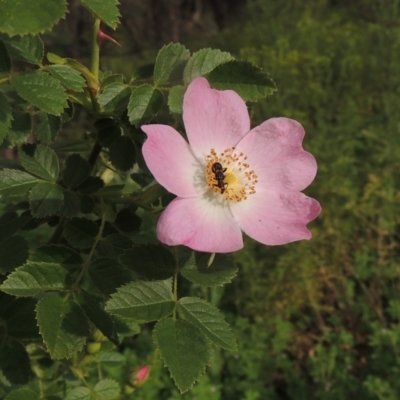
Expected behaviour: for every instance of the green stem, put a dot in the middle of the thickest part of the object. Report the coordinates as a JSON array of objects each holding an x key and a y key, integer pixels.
[
  {"x": 4, "y": 80},
  {"x": 95, "y": 49},
  {"x": 57, "y": 234}
]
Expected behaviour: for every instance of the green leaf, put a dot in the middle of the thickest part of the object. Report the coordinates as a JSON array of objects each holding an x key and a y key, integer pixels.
[
  {"x": 56, "y": 254},
  {"x": 10, "y": 223},
  {"x": 35, "y": 277},
  {"x": 71, "y": 205},
  {"x": 45, "y": 199},
  {"x": 122, "y": 153},
  {"x": 209, "y": 319},
  {"x": 20, "y": 128},
  {"x": 18, "y": 316},
  {"x": 184, "y": 349},
  {"x": 79, "y": 393},
  {"x": 142, "y": 301},
  {"x": 27, "y": 48},
  {"x": 5, "y": 117},
  {"x": 68, "y": 76},
  {"x": 143, "y": 72},
  {"x": 127, "y": 221},
  {"x": 101, "y": 320},
  {"x": 108, "y": 274},
  {"x": 144, "y": 104},
  {"x": 113, "y": 78},
  {"x": 203, "y": 62},
  {"x": 248, "y": 80},
  {"x": 14, "y": 362},
  {"x": 91, "y": 185},
  {"x": 107, "y": 389},
  {"x": 47, "y": 127},
  {"x": 39, "y": 160},
  {"x": 23, "y": 394},
  {"x": 16, "y": 183},
  {"x": 14, "y": 251},
  {"x": 175, "y": 99},
  {"x": 106, "y": 10},
  {"x": 76, "y": 170},
  {"x": 5, "y": 61},
  {"x": 221, "y": 271},
  {"x": 80, "y": 232},
  {"x": 42, "y": 90},
  {"x": 168, "y": 58},
  {"x": 108, "y": 134},
  {"x": 113, "y": 245},
  {"x": 63, "y": 326},
  {"x": 153, "y": 262},
  {"x": 114, "y": 98},
  {"x": 23, "y": 17}
]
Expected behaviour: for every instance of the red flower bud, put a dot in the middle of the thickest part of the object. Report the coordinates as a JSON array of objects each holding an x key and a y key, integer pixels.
[{"x": 140, "y": 375}]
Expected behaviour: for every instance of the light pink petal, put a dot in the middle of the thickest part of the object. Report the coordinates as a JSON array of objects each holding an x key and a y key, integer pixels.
[
  {"x": 276, "y": 218},
  {"x": 213, "y": 118},
  {"x": 170, "y": 160},
  {"x": 200, "y": 224},
  {"x": 274, "y": 150}
]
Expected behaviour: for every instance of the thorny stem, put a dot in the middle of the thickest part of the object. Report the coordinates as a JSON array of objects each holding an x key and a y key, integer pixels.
[
  {"x": 175, "y": 288},
  {"x": 95, "y": 49}
]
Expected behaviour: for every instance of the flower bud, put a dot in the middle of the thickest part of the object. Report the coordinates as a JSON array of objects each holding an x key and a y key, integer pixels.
[{"x": 140, "y": 375}]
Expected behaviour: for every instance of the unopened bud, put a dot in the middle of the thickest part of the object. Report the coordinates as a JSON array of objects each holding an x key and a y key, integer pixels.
[{"x": 140, "y": 375}]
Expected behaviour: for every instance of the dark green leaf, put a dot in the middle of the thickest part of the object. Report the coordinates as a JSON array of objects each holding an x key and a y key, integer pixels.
[
  {"x": 221, "y": 271},
  {"x": 16, "y": 183},
  {"x": 106, "y": 10},
  {"x": 56, "y": 254},
  {"x": 76, "y": 170},
  {"x": 22, "y": 17},
  {"x": 42, "y": 90},
  {"x": 168, "y": 58},
  {"x": 23, "y": 394},
  {"x": 91, "y": 185},
  {"x": 28, "y": 48},
  {"x": 123, "y": 153},
  {"x": 144, "y": 72},
  {"x": 209, "y": 319},
  {"x": 175, "y": 99},
  {"x": 92, "y": 307},
  {"x": 14, "y": 251},
  {"x": 10, "y": 223},
  {"x": 39, "y": 160},
  {"x": 203, "y": 62},
  {"x": 108, "y": 274},
  {"x": 107, "y": 135},
  {"x": 79, "y": 393},
  {"x": 153, "y": 262},
  {"x": 87, "y": 204},
  {"x": 71, "y": 206},
  {"x": 127, "y": 221},
  {"x": 47, "y": 127},
  {"x": 20, "y": 128},
  {"x": 107, "y": 389},
  {"x": 142, "y": 301},
  {"x": 45, "y": 199},
  {"x": 114, "y": 98},
  {"x": 81, "y": 232},
  {"x": 14, "y": 362},
  {"x": 68, "y": 76},
  {"x": 248, "y": 80},
  {"x": 18, "y": 316},
  {"x": 70, "y": 145},
  {"x": 5, "y": 117},
  {"x": 5, "y": 61},
  {"x": 113, "y": 245},
  {"x": 114, "y": 78},
  {"x": 184, "y": 349},
  {"x": 35, "y": 277},
  {"x": 63, "y": 326},
  {"x": 144, "y": 104}
]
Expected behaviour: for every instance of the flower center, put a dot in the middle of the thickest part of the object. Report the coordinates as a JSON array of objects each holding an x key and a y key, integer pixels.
[{"x": 229, "y": 174}]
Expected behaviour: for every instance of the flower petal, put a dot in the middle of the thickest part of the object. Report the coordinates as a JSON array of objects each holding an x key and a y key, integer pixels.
[
  {"x": 200, "y": 224},
  {"x": 170, "y": 160},
  {"x": 274, "y": 150},
  {"x": 276, "y": 218},
  {"x": 213, "y": 118}
]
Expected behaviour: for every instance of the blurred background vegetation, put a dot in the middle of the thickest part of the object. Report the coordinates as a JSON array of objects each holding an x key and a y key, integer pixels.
[{"x": 317, "y": 319}]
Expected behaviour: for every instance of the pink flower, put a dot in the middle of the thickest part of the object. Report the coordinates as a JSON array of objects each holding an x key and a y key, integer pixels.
[{"x": 228, "y": 178}]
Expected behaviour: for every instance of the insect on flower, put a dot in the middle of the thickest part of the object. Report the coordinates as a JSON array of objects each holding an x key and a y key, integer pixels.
[{"x": 230, "y": 178}]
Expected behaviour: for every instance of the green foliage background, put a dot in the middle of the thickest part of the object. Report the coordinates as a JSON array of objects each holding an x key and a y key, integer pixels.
[{"x": 317, "y": 319}]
